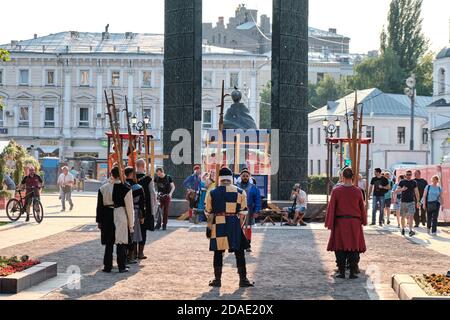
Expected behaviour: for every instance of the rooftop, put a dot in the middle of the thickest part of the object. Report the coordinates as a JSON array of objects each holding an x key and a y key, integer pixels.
[
  {"x": 89, "y": 42},
  {"x": 444, "y": 53},
  {"x": 376, "y": 104}
]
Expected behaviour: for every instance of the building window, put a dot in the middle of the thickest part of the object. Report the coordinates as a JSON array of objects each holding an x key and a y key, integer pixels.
[
  {"x": 147, "y": 79},
  {"x": 234, "y": 80},
  {"x": 311, "y": 136},
  {"x": 311, "y": 167},
  {"x": 220, "y": 38},
  {"x": 24, "y": 117},
  {"x": 24, "y": 77},
  {"x": 401, "y": 135},
  {"x": 1, "y": 77},
  {"x": 319, "y": 169},
  {"x": 370, "y": 133},
  {"x": 207, "y": 79},
  {"x": 441, "y": 84},
  {"x": 1, "y": 118},
  {"x": 49, "y": 117},
  {"x": 50, "y": 78},
  {"x": 207, "y": 119},
  {"x": 84, "y": 78},
  {"x": 319, "y": 133},
  {"x": 84, "y": 118},
  {"x": 115, "y": 78},
  {"x": 320, "y": 76},
  {"x": 425, "y": 136},
  {"x": 225, "y": 39}
]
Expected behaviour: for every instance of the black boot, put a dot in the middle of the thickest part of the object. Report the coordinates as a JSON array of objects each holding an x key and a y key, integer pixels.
[
  {"x": 243, "y": 281},
  {"x": 341, "y": 271},
  {"x": 141, "y": 255},
  {"x": 354, "y": 270},
  {"x": 217, "y": 282}
]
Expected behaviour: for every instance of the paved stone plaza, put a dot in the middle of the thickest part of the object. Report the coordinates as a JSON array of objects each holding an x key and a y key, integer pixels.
[{"x": 287, "y": 263}]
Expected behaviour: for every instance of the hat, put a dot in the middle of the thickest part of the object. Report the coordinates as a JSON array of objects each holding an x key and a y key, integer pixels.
[
  {"x": 245, "y": 170},
  {"x": 197, "y": 166},
  {"x": 225, "y": 174}
]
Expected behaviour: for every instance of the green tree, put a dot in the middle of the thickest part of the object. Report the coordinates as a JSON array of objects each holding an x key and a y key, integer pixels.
[
  {"x": 404, "y": 33},
  {"x": 265, "y": 116},
  {"x": 424, "y": 75},
  {"x": 4, "y": 55},
  {"x": 383, "y": 72},
  {"x": 326, "y": 90}
]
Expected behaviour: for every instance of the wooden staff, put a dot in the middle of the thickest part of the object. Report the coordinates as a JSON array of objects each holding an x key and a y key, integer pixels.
[
  {"x": 115, "y": 134},
  {"x": 358, "y": 163},
  {"x": 131, "y": 142},
  {"x": 349, "y": 135},
  {"x": 220, "y": 141},
  {"x": 147, "y": 165},
  {"x": 355, "y": 132}
]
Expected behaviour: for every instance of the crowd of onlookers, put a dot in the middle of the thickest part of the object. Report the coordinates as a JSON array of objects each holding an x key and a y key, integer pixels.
[{"x": 412, "y": 199}]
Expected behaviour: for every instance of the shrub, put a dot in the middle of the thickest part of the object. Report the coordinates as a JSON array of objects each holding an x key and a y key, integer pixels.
[{"x": 318, "y": 184}]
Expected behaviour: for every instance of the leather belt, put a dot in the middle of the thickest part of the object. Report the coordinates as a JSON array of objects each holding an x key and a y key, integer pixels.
[
  {"x": 225, "y": 214},
  {"x": 347, "y": 217}
]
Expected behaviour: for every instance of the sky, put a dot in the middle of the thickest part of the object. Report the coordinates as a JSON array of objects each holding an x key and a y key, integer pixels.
[{"x": 361, "y": 20}]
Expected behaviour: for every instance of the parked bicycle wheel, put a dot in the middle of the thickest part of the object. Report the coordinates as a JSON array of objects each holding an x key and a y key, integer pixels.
[
  {"x": 14, "y": 209},
  {"x": 38, "y": 211}
]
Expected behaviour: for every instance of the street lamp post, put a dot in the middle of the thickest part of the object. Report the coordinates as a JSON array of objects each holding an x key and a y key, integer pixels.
[
  {"x": 410, "y": 91},
  {"x": 140, "y": 126},
  {"x": 330, "y": 129}
]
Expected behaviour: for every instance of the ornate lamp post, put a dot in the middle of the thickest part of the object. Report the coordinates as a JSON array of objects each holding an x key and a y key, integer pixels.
[{"x": 330, "y": 130}]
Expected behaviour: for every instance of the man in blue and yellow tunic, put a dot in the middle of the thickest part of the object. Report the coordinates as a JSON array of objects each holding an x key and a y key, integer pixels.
[{"x": 226, "y": 207}]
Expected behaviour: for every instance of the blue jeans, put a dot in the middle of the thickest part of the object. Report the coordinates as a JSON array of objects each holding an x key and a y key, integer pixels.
[
  {"x": 432, "y": 220},
  {"x": 375, "y": 201}
]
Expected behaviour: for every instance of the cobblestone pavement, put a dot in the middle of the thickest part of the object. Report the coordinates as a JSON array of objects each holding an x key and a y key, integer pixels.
[{"x": 286, "y": 264}]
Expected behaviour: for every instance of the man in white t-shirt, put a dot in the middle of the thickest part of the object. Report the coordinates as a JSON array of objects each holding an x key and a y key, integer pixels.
[
  {"x": 298, "y": 210},
  {"x": 65, "y": 183}
]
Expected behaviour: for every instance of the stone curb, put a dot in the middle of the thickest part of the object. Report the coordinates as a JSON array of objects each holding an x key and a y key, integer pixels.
[
  {"x": 407, "y": 289},
  {"x": 12, "y": 225},
  {"x": 20, "y": 281}
]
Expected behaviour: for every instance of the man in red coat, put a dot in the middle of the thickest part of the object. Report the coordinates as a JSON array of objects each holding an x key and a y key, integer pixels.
[{"x": 346, "y": 216}]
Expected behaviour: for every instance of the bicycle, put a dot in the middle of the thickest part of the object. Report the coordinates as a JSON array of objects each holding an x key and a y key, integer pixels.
[{"x": 15, "y": 208}]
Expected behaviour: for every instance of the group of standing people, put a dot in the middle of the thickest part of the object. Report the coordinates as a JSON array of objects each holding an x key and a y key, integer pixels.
[
  {"x": 125, "y": 212},
  {"x": 413, "y": 199}
]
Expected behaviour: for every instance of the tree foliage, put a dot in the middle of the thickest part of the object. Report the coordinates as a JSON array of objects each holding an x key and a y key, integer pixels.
[{"x": 4, "y": 55}]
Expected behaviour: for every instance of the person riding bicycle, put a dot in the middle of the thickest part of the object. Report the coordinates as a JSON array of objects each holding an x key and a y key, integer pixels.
[{"x": 32, "y": 183}]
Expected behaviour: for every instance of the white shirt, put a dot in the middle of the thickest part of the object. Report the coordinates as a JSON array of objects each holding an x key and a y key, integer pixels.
[
  {"x": 302, "y": 197},
  {"x": 65, "y": 180}
]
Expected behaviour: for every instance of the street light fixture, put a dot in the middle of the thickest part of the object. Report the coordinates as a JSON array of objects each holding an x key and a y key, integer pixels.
[
  {"x": 140, "y": 126},
  {"x": 331, "y": 128},
  {"x": 410, "y": 91}
]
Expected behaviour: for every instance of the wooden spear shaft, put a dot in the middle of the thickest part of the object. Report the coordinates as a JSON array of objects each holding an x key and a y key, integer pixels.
[{"x": 147, "y": 165}]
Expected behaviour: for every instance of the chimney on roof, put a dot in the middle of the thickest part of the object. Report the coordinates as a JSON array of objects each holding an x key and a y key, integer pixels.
[
  {"x": 128, "y": 35},
  {"x": 332, "y": 30},
  {"x": 221, "y": 21},
  {"x": 14, "y": 43},
  {"x": 105, "y": 35},
  {"x": 35, "y": 36}
]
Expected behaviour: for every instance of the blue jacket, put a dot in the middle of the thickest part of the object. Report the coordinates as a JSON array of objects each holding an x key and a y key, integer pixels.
[
  {"x": 253, "y": 197},
  {"x": 193, "y": 182}
]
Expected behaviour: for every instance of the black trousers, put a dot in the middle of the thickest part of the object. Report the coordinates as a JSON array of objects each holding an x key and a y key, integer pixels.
[
  {"x": 420, "y": 216},
  {"x": 342, "y": 257},
  {"x": 121, "y": 251},
  {"x": 240, "y": 258},
  {"x": 144, "y": 234}
]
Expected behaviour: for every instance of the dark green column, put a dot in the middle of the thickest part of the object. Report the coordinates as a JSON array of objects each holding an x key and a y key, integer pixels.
[
  {"x": 182, "y": 78},
  {"x": 290, "y": 93}
]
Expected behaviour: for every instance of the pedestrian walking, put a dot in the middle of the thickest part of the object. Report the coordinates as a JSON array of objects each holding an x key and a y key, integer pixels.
[
  {"x": 378, "y": 188},
  {"x": 397, "y": 200},
  {"x": 66, "y": 182},
  {"x": 192, "y": 184},
  {"x": 432, "y": 203},
  {"x": 410, "y": 194},
  {"x": 165, "y": 187},
  {"x": 81, "y": 179},
  {"x": 226, "y": 207},
  {"x": 115, "y": 219},
  {"x": 420, "y": 216},
  {"x": 346, "y": 217},
  {"x": 388, "y": 199}
]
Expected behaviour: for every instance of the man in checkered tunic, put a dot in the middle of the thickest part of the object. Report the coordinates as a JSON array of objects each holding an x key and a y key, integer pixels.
[{"x": 227, "y": 205}]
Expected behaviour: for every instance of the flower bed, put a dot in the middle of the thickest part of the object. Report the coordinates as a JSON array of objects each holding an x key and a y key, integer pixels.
[
  {"x": 434, "y": 285},
  {"x": 12, "y": 265}
]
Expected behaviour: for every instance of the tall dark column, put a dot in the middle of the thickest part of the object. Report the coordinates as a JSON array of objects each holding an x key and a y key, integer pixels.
[
  {"x": 182, "y": 78},
  {"x": 290, "y": 93}
]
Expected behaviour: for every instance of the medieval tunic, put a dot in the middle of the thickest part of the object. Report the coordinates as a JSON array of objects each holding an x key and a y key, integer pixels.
[
  {"x": 226, "y": 203},
  {"x": 105, "y": 213},
  {"x": 139, "y": 207},
  {"x": 150, "y": 201},
  {"x": 346, "y": 216},
  {"x": 122, "y": 197}
]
